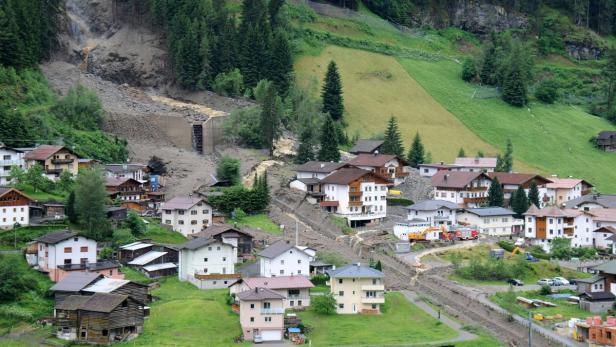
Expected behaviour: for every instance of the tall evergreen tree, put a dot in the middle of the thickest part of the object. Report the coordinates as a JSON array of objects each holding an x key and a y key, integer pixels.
[
  {"x": 270, "y": 118},
  {"x": 514, "y": 86},
  {"x": 71, "y": 214},
  {"x": 90, "y": 204},
  {"x": 273, "y": 8},
  {"x": 417, "y": 152},
  {"x": 281, "y": 63},
  {"x": 305, "y": 152},
  {"x": 187, "y": 58},
  {"x": 255, "y": 35},
  {"x": 393, "y": 141},
  {"x": 496, "y": 197},
  {"x": 507, "y": 162},
  {"x": 11, "y": 48},
  {"x": 519, "y": 202},
  {"x": 489, "y": 66},
  {"x": 332, "y": 93},
  {"x": 461, "y": 153},
  {"x": 206, "y": 75},
  {"x": 533, "y": 194},
  {"x": 329, "y": 141}
]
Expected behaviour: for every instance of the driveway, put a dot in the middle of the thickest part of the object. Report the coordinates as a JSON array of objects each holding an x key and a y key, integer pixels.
[{"x": 284, "y": 343}]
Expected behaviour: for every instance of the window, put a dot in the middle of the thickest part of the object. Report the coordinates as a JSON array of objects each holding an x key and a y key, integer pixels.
[
  {"x": 374, "y": 306},
  {"x": 267, "y": 305},
  {"x": 252, "y": 319},
  {"x": 252, "y": 305},
  {"x": 193, "y": 212},
  {"x": 292, "y": 303},
  {"x": 214, "y": 282},
  {"x": 181, "y": 212},
  {"x": 105, "y": 332},
  {"x": 205, "y": 260},
  {"x": 206, "y": 211},
  {"x": 293, "y": 291},
  {"x": 299, "y": 261},
  {"x": 209, "y": 248},
  {"x": 193, "y": 222},
  {"x": 167, "y": 221},
  {"x": 218, "y": 248},
  {"x": 341, "y": 293},
  {"x": 84, "y": 248},
  {"x": 374, "y": 281},
  {"x": 181, "y": 222},
  {"x": 68, "y": 261},
  {"x": 299, "y": 272},
  {"x": 224, "y": 258},
  {"x": 340, "y": 305},
  {"x": 68, "y": 250},
  {"x": 125, "y": 303},
  {"x": 282, "y": 272},
  {"x": 340, "y": 281},
  {"x": 204, "y": 270},
  {"x": 268, "y": 319},
  {"x": 299, "y": 303},
  {"x": 83, "y": 260},
  {"x": 167, "y": 211},
  {"x": 281, "y": 261}
]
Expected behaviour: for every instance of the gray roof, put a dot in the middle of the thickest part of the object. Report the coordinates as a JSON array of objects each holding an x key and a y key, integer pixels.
[
  {"x": 217, "y": 229},
  {"x": 99, "y": 302},
  {"x": 119, "y": 168},
  {"x": 366, "y": 146},
  {"x": 198, "y": 243},
  {"x": 309, "y": 180},
  {"x": 355, "y": 271},
  {"x": 490, "y": 211},
  {"x": 252, "y": 270},
  {"x": 259, "y": 294},
  {"x": 75, "y": 281},
  {"x": 432, "y": 205},
  {"x": 590, "y": 280},
  {"x": 182, "y": 203},
  {"x": 277, "y": 248},
  {"x": 608, "y": 267},
  {"x": 72, "y": 302},
  {"x": 106, "y": 285},
  {"x": 599, "y": 296},
  {"x": 146, "y": 258},
  {"x": 320, "y": 166},
  {"x": 605, "y": 200},
  {"x": 55, "y": 237}
]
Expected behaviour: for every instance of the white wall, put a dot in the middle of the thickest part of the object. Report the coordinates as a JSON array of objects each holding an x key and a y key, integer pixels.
[
  {"x": 56, "y": 253},
  {"x": 402, "y": 230},
  {"x": 427, "y": 171},
  {"x": 291, "y": 262},
  {"x": 182, "y": 220},
  {"x": 9, "y": 215},
  {"x": 493, "y": 225},
  {"x": 430, "y": 216},
  {"x": 307, "y": 174},
  {"x": 220, "y": 260},
  {"x": 9, "y": 158}
]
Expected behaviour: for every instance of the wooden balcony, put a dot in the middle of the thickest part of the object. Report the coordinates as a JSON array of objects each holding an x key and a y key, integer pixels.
[
  {"x": 62, "y": 161},
  {"x": 477, "y": 189},
  {"x": 355, "y": 203},
  {"x": 475, "y": 200}
]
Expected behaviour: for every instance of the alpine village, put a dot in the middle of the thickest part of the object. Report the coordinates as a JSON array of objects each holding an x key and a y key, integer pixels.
[{"x": 308, "y": 172}]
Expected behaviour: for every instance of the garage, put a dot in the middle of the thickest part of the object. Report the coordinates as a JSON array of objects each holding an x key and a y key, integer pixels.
[{"x": 271, "y": 335}]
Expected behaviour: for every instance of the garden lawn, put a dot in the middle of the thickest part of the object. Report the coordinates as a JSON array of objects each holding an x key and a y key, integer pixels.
[
  {"x": 554, "y": 139},
  {"x": 262, "y": 222},
  {"x": 187, "y": 316},
  {"x": 157, "y": 233},
  {"x": 403, "y": 323},
  {"x": 26, "y": 234}
]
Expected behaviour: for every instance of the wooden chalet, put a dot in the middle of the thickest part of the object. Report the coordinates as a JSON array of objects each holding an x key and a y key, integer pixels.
[
  {"x": 230, "y": 234},
  {"x": 152, "y": 259},
  {"x": 90, "y": 283},
  {"x": 606, "y": 140}
]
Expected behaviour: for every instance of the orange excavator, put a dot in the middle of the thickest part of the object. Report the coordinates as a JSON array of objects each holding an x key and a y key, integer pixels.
[{"x": 428, "y": 234}]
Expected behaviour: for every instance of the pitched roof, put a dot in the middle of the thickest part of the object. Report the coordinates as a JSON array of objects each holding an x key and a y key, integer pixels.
[
  {"x": 99, "y": 302},
  {"x": 156, "y": 267},
  {"x": 43, "y": 152},
  {"x": 72, "y": 302},
  {"x": 490, "y": 211},
  {"x": 550, "y": 211},
  {"x": 606, "y": 135},
  {"x": 75, "y": 281},
  {"x": 591, "y": 280},
  {"x": 146, "y": 258},
  {"x": 217, "y": 229},
  {"x": 55, "y": 237},
  {"x": 565, "y": 183},
  {"x": 455, "y": 179},
  {"x": 439, "y": 165},
  {"x": 278, "y": 282},
  {"x": 355, "y": 271},
  {"x": 182, "y": 203},
  {"x": 135, "y": 246},
  {"x": 258, "y": 294},
  {"x": 375, "y": 160},
  {"x": 365, "y": 146},
  {"x": 119, "y": 168},
  {"x": 198, "y": 243},
  {"x": 106, "y": 285},
  {"x": 478, "y": 162},
  {"x": 277, "y": 248},
  {"x": 605, "y": 200},
  {"x": 599, "y": 296},
  {"x": 115, "y": 182},
  {"x": 345, "y": 176},
  {"x": 515, "y": 178},
  {"x": 607, "y": 267},
  {"x": 432, "y": 205},
  {"x": 320, "y": 166},
  {"x": 603, "y": 214},
  {"x": 6, "y": 190}
]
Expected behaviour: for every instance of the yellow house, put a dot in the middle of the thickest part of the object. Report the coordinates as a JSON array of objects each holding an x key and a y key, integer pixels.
[
  {"x": 357, "y": 289},
  {"x": 54, "y": 159}
]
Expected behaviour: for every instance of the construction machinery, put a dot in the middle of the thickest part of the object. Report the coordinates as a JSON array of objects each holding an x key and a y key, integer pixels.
[
  {"x": 529, "y": 257},
  {"x": 428, "y": 234}
]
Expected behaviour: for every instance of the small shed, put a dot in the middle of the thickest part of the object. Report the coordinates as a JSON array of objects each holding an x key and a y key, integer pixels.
[{"x": 596, "y": 301}]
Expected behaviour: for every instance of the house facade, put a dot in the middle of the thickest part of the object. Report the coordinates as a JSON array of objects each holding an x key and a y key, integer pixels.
[
  {"x": 53, "y": 159},
  {"x": 357, "y": 289},
  {"x": 284, "y": 259},
  {"x": 63, "y": 248},
  {"x": 13, "y": 208},
  {"x": 355, "y": 194},
  {"x": 392, "y": 167},
  {"x": 475, "y": 164},
  {"x": 429, "y": 170},
  {"x": 545, "y": 224},
  {"x": 466, "y": 189},
  {"x": 125, "y": 189},
  {"x": 261, "y": 314},
  {"x": 134, "y": 171},
  {"x": 591, "y": 201},
  {"x": 511, "y": 181},
  {"x": 9, "y": 157},
  {"x": 207, "y": 263},
  {"x": 241, "y": 240},
  {"x": 435, "y": 212},
  {"x": 604, "y": 226},
  {"x": 562, "y": 190},
  {"x": 295, "y": 289},
  {"x": 309, "y": 176},
  {"x": 186, "y": 215},
  {"x": 493, "y": 221}
]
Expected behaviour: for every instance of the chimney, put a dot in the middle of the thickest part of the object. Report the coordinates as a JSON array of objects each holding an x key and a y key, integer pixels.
[{"x": 476, "y": 160}]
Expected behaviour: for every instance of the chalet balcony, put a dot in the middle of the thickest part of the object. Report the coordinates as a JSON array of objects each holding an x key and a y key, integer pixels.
[
  {"x": 373, "y": 287},
  {"x": 475, "y": 200},
  {"x": 362, "y": 216},
  {"x": 62, "y": 161},
  {"x": 477, "y": 189},
  {"x": 271, "y": 311},
  {"x": 53, "y": 171},
  {"x": 355, "y": 203},
  {"x": 298, "y": 297},
  {"x": 373, "y": 299},
  {"x": 11, "y": 163}
]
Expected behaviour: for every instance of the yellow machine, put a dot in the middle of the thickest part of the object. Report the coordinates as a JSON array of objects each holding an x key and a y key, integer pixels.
[
  {"x": 516, "y": 251},
  {"x": 421, "y": 236}
]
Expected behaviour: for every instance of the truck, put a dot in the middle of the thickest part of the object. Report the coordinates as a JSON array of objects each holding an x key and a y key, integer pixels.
[{"x": 466, "y": 233}]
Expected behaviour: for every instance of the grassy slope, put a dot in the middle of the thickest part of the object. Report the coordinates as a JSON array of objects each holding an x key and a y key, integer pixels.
[
  {"x": 508, "y": 302},
  {"x": 403, "y": 323},
  {"x": 376, "y": 87},
  {"x": 260, "y": 221},
  {"x": 553, "y": 138},
  {"x": 159, "y": 234}
]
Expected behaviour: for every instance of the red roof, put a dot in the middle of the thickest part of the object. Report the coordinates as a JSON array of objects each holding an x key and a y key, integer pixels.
[
  {"x": 329, "y": 203},
  {"x": 43, "y": 152},
  {"x": 455, "y": 179},
  {"x": 278, "y": 282},
  {"x": 565, "y": 183},
  {"x": 374, "y": 160},
  {"x": 6, "y": 190}
]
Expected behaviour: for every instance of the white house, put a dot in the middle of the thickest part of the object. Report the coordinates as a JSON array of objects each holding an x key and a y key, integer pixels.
[
  {"x": 357, "y": 289},
  {"x": 186, "y": 215},
  {"x": 207, "y": 263},
  {"x": 283, "y": 259},
  {"x": 318, "y": 169},
  {"x": 467, "y": 189},
  {"x": 593, "y": 200},
  {"x": 429, "y": 170},
  {"x": 545, "y": 224},
  {"x": 9, "y": 157},
  {"x": 355, "y": 194},
  {"x": 476, "y": 164},
  {"x": 295, "y": 289},
  {"x": 392, "y": 167},
  {"x": 13, "y": 208},
  {"x": 493, "y": 221},
  {"x": 134, "y": 171},
  {"x": 562, "y": 190},
  {"x": 62, "y": 248},
  {"x": 604, "y": 226},
  {"x": 425, "y": 214}
]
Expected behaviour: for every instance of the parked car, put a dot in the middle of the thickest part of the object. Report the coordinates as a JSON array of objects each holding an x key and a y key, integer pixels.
[
  {"x": 545, "y": 281},
  {"x": 515, "y": 282},
  {"x": 572, "y": 281},
  {"x": 519, "y": 242},
  {"x": 560, "y": 281}
]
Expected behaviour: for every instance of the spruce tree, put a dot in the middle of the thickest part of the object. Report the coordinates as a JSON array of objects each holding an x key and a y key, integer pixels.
[
  {"x": 428, "y": 158},
  {"x": 206, "y": 75},
  {"x": 507, "y": 159},
  {"x": 480, "y": 154},
  {"x": 609, "y": 73},
  {"x": 393, "y": 141},
  {"x": 499, "y": 163},
  {"x": 273, "y": 9},
  {"x": 305, "y": 152},
  {"x": 90, "y": 204},
  {"x": 461, "y": 153},
  {"x": 329, "y": 142},
  {"x": 332, "y": 93},
  {"x": 514, "y": 86},
  {"x": 519, "y": 202},
  {"x": 11, "y": 47},
  {"x": 496, "y": 197},
  {"x": 489, "y": 66},
  {"x": 533, "y": 194},
  {"x": 469, "y": 70},
  {"x": 270, "y": 119},
  {"x": 280, "y": 63},
  {"x": 70, "y": 208},
  {"x": 416, "y": 153}
]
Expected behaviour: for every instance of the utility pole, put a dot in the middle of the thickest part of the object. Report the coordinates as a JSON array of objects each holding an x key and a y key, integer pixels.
[{"x": 530, "y": 330}]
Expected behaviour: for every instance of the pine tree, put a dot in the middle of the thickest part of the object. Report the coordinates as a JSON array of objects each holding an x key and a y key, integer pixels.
[
  {"x": 514, "y": 87},
  {"x": 378, "y": 266},
  {"x": 428, "y": 158},
  {"x": 480, "y": 154},
  {"x": 255, "y": 35},
  {"x": 533, "y": 194},
  {"x": 305, "y": 152},
  {"x": 273, "y": 9},
  {"x": 206, "y": 76},
  {"x": 416, "y": 153},
  {"x": 507, "y": 159},
  {"x": 461, "y": 153},
  {"x": 519, "y": 202},
  {"x": 70, "y": 208},
  {"x": 496, "y": 197},
  {"x": 489, "y": 66},
  {"x": 609, "y": 73},
  {"x": 469, "y": 70},
  {"x": 11, "y": 48},
  {"x": 329, "y": 142},
  {"x": 332, "y": 93},
  {"x": 280, "y": 63},
  {"x": 270, "y": 119},
  {"x": 187, "y": 59},
  {"x": 499, "y": 163},
  {"x": 393, "y": 140}
]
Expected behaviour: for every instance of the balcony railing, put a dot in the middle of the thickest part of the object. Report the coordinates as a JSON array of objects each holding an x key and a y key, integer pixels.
[
  {"x": 373, "y": 300},
  {"x": 11, "y": 162},
  {"x": 472, "y": 200},
  {"x": 269, "y": 311},
  {"x": 54, "y": 171},
  {"x": 373, "y": 287},
  {"x": 62, "y": 161},
  {"x": 298, "y": 297}
]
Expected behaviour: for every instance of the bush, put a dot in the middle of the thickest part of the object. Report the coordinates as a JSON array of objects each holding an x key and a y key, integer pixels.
[
  {"x": 547, "y": 91},
  {"x": 399, "y": 202},
  {"x": 229, "y": 84},
  {"x": 545, "y": 290},
  {"x": 249, "y": 200},
  {"x": 228, "y": 169},
  {"x": 493, "y": 270},
  {"x": 324, "y": 304},
  {"x": 135, "y": 224},
  {"x": 469, "y": 70},
  {"x": 319, "y": 280},
  {"x": 506, "y": 245},
  {"x": 242, "y": 127},
  {"x": 15, "y": 279},
  {"x": 81, "y": 108}
]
